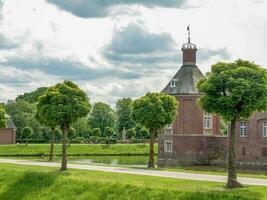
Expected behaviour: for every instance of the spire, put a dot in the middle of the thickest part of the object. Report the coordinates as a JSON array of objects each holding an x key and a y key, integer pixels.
[
  {"x": 189, "y": 51},
  {"x": 188, "y": 30}
]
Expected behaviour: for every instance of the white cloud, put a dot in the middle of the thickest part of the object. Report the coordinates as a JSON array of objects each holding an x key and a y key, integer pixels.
[{"x": 40, "y": 35}]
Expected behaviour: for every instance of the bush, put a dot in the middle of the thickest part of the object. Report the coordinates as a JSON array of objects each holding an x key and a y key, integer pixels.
[
  {"x": 130, "y": 133},
  {"x": 109, "y": 132},
  {"x": 96, "y": 132}
]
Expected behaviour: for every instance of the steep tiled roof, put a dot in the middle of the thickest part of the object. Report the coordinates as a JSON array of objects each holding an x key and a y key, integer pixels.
[
  {"x": 186, "y": 78},
  {"x": 10, "y": 123}
]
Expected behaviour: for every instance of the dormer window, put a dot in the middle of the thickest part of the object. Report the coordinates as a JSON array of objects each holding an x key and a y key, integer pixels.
[{"x": 173, "y": 82}]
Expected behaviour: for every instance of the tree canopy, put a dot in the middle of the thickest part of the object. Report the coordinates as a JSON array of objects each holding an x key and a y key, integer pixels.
[
  {"x": 63, "y": 104},
  {"x": 3, "y": 118},
  {"x": 102, "y": 116},
  {"x": 154, "y": 110},
  {"x": 234, "y": 90}
]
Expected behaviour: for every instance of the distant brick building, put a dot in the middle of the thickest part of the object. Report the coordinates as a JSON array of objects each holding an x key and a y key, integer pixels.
[
  {"x": 8, "y": 135},
  {"x": 194, "y": 137}
]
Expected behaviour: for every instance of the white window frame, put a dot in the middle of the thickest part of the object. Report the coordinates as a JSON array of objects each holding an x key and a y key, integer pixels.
[
  {"x": 173, "y": 82},
  {"x": 264, "y": 129},
  {"x": 167, "y": 146},
  {"x": 168, "y": 128},
  {"x": 207, "y": 121},
  {"x": 243, "y": 129}
]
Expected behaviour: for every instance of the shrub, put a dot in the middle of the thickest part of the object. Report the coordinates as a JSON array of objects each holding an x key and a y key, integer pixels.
[
  {"x": 130, "y": 133},
  {"x": 96, "y": 132}
]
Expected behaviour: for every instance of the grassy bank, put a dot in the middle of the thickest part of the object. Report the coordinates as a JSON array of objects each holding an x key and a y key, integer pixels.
[
  {"x": 76, "y": 149},
  {"x": 28, "y": 182}
]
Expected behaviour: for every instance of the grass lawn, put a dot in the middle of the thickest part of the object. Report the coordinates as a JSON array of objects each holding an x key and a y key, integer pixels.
[
  {"x": 29, "y": 182},
  {"x": 76, "y": 149}
]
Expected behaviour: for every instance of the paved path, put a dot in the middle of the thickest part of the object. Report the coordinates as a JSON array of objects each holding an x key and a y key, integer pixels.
[{"x": 166, "y": 174}]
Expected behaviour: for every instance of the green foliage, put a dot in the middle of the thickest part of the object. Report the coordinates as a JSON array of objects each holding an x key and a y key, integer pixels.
[
  {"x": 82, "y": 127},
  {"x": 3, "y": 118},
  {"x": 63, "y": 104},
  {"x": 130, "y": 133},
  {"x": 26, "y": 132},
  {"x": 234, "y": 90},
  {"x": 141, "y": 132},
  {"x": 96, "y": 132},
  {"x": 154, "y": 110},
  {"x": 22, "y": 113},
  {"x": 123, "y": 115},
  {"x": 109, "y": 132},
  {"x": 32, "y": 97},
  {"x": 102, "y": 116},
  {"x": 72, "y": 133}
]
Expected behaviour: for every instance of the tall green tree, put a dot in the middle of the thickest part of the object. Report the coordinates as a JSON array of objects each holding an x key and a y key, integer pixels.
[
  {"x": 123, "y": 115},
  {"x": 3, "y": 118},
  {"x": 64, "y": 104},
  {"x": 26, "y": 132},
  {"x": 154, "y": 111},
  {"x": 102, "y": 116},
  {"x": 235, "y": 91}
]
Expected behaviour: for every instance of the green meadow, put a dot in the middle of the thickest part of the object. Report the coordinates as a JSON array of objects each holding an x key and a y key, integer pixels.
[{"x": 30, "y": 182}]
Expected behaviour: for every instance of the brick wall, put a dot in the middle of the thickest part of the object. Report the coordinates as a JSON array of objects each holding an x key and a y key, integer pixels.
[
  {"x": 192, "y": 149},
  {"x": 189, "y": 119},
  {"x": 7, "y": 136}
]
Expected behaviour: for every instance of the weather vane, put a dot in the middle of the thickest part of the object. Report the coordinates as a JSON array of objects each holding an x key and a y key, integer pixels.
[{"x": 188, "y": 29}]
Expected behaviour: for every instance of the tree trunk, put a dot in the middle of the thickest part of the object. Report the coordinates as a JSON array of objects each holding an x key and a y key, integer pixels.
[
  {"x": 232, "y": 180},
  {"x": 64, "y": 148},
  {"x": 151, "y": 150},
  {"x": 51, "y": 156}
]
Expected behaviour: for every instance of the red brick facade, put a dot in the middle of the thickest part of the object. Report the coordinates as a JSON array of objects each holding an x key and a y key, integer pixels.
[{"x": 7, "y": 136}]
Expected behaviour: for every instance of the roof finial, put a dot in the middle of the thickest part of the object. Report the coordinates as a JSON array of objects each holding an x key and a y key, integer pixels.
[{"x": 188, "y": 30}]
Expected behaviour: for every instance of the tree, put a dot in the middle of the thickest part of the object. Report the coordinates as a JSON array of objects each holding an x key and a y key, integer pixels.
[
  {"x": 3, "y": 118},
  {"x": 63, "y": 104},
  {"x": 82, "y": 127},
  {"x": 102, "y": 116},
  {"x": 154, "y": 111},
  {"x": 27, "y": 133},
  {"x": 123, "y": 115},
  {"x": 234, "y": 91}
]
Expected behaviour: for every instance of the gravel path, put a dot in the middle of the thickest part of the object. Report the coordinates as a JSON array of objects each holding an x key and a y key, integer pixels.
[{"x": 147, "y": 172}]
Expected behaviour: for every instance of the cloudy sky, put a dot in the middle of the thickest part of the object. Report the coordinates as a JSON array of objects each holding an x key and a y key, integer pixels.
[{"x": 121, "y": 48}]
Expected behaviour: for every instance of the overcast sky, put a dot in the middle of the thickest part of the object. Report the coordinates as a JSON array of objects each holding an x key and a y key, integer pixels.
[{"x": 121, "y": 48}]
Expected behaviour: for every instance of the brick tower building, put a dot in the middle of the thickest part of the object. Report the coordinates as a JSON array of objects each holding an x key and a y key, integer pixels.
[{"x": 194, "y": 134}]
